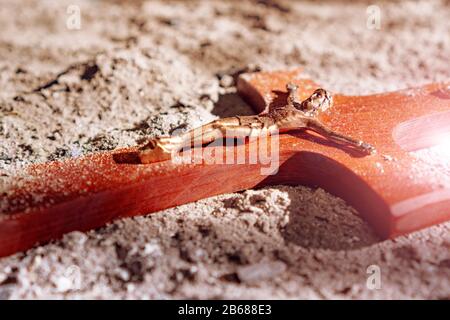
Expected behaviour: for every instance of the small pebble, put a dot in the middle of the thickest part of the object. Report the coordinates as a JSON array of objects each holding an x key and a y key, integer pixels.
[
  {"x": 226, "y": 81},
  {"x": 260, "y": 271}
]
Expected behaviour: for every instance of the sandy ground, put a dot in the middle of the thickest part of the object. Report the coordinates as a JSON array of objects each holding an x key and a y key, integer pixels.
[{"x": 137, "y": 69}]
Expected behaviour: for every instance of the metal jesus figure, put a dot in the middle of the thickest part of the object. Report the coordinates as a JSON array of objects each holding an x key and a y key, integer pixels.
[{"x": 293, "y": 116}]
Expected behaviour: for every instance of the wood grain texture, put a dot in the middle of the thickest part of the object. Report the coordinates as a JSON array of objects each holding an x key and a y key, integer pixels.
[{"x": 396, "y": 196}]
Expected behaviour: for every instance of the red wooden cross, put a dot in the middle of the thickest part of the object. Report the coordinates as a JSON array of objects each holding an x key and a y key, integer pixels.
[{"x": 396, "y": 190}]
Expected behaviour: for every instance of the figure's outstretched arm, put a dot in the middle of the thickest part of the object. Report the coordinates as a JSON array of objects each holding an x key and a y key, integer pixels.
[
  {"x": 292, "y": 96},
  {"x": 316, "y": 126}
]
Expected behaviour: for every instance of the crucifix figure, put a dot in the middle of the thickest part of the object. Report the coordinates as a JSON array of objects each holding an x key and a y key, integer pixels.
[
  {"x": 293, "y": 115},
  {"x": 400, "y": 189}
]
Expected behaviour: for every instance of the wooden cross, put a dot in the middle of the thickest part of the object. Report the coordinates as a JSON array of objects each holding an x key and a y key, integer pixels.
[{"x": 397, "y": 190}]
